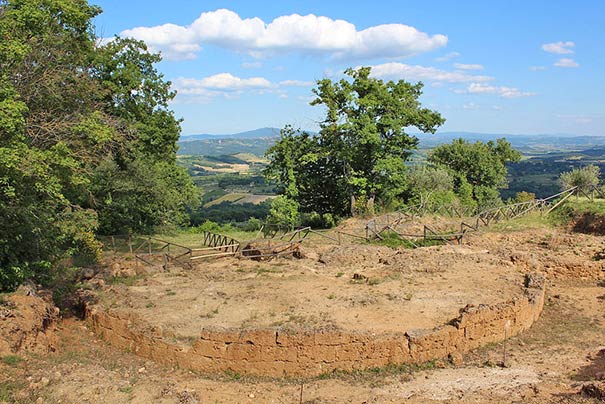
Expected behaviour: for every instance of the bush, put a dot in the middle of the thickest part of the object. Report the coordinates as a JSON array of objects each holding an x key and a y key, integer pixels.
[
  {"x": 523, "y": 196},
  {"x": 212, "y": 227},
  {"x": 253, "y": 224},
  {"x": 283, "y": 212},
  {"x": 318, "y": 221},
  {"x": 584, "y": 178}
]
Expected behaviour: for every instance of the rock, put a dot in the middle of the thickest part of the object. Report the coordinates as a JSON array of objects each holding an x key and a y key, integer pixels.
[
  {"x": 115, "y": 269},
  {"x": 142, "y": 370},
  {"x": 593, "y": 390},
  {"x": 45, "y": 381},
  {"x": 57, "y": 376},
  {"x": 87, "y": 273},
  {"x": 97, "y": 283},
  {"x": 40, "y": 400},
  {"x": 251, "y": 395}
]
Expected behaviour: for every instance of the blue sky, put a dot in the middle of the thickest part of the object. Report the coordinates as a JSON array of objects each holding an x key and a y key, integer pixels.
[{"x": 506, "y": 67}]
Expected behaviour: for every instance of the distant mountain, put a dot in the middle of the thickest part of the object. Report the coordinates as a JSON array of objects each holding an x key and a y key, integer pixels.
[
  {"x": 528, "y": 144},
  {"x": 251, "y": 134},
  {"x": 257, "y": 141}
]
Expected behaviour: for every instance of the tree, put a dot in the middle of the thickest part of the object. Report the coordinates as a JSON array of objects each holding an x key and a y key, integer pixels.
[
  {"x": 430, "y": 185},
  {"x": 480, "y": 165},
  {"x": 83, "y": 127},
  {"x": 584, "y": 178},
  {"x": 283, "y": 212},
  {"x": 362, "y": 145}
]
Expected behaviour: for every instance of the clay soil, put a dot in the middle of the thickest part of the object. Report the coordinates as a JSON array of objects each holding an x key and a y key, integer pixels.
[{"x": 349, "y": 287}]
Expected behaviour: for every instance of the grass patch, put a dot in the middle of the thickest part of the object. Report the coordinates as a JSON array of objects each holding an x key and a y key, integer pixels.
[
  {"x": 7, "y": 390},
  {"x": 231, "y": 375},
  {"x": 11, "y": 360},
  {"x": 125, "y": 280},
  {"x": 393, "y": 240},
  {"x": 378, "y": 372},
  {"x": 534, "y": 220}
]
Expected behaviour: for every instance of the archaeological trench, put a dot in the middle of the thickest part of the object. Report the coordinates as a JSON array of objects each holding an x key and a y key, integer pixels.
[{"x": 259, "y": 348}]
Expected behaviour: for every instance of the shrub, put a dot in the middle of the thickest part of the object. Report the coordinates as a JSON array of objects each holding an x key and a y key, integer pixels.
[
  {"x": 584, "y": 178},
  {"x": 318, "y": 221},
  {"x": 283, "y": 212}
]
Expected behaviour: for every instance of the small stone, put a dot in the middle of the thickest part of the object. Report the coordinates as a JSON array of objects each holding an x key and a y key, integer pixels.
[
  {"x": 456, "y": 358},
  {"x": 251, "y": 395},
  {"x": 40, "y": 400},
  {"x": 593, "y": 390},
  {"x": 87, "y": 273},
  {"x": 142, "y": 370},
  {"x": 44, "y": 381}
]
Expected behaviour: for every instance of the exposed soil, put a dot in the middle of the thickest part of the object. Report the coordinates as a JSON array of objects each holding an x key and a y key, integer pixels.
[
  {"x": 549, "y": 363},
  {"x": 352, "y": 288}
]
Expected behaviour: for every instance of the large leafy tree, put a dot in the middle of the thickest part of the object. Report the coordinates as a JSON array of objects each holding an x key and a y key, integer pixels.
[
  {"x": 362, "y": 145},
  {"x": 78, "y": 121},
  {"x": 479, "y": 165}
]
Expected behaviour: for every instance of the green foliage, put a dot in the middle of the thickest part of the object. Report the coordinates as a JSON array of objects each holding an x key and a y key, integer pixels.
[
  {"x": 430, "y": 186},
  {"x": 11, "y": 360},
  {"x": 524, "y": 196},
  {"x": 212, "y": 227},
  {"x": 227, "y": 212},
  {"x": 284, "y": 212},
  {"x": 482, "y": 166},
  {"x": 87, "y": 138},
  {"x": 573, "y": 209},
  {"x": 360, "y": 151},
  {"x": 318, "y": 221},
  {"x": 142, "y": 196},
  {"x": 393, "y": 240},
  {"x": 584, "y": 178},
  {"x": 253, "y": 224}
]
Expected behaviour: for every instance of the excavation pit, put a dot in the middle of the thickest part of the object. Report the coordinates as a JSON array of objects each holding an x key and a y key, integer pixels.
[{"x": 340, "y": 308}]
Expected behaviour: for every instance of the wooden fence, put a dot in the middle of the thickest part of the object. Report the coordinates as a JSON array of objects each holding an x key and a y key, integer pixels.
[
  {"x": 377, "y": 228},
  {"x": 156, "y": 252}
]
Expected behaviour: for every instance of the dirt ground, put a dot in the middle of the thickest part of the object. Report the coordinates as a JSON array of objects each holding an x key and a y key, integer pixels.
[
  {"x": 547, "y": 364},
  {"x": 351, "y": 288}
]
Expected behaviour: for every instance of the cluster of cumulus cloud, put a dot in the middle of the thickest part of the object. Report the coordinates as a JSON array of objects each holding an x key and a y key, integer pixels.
[
  {"x": 308, "y": 33},
  {"x": 322, "y": 36}
]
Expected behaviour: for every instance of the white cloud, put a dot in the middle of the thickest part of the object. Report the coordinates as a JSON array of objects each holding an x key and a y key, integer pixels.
[
  {"x": 560, "y": 48},
  {"x": 504, "y": 92},
  {"x": 252, "y": 65},
  {"x": 408, "y": 72},
  {"x": 174, "y": 41},
  {"x": 296, "y": 83},
  {"x": 537, "y": 68},
  {"x": 308, "y": 34},
  {"x": 566, "y": 62},
  {"x": 463, "y": 66},
  {"x": 229, "y": 86},
  {"x": 449, "y": 56},
  {"x": 222, "y": 84},
  {"x": 579, "y": 119},
  {"x": 470, "y": 105}
]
